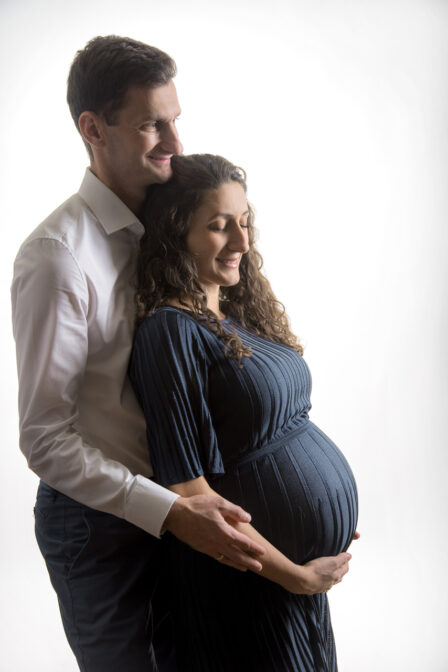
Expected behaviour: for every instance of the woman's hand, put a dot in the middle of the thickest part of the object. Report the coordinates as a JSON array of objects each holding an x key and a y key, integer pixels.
[
  {"x": 319, "y": 575},
  {"x": 212, "y": 525}
]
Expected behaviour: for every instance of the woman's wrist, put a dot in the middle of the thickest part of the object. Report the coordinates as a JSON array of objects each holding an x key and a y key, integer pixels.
[{"x": 295, "y": 579}]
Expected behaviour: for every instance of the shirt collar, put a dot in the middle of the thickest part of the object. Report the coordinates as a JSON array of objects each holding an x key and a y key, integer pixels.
[{"x": 110, "y": 211}]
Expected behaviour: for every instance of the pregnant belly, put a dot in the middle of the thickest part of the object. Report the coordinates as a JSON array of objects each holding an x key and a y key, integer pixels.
[{"x": 301, "y": 494}]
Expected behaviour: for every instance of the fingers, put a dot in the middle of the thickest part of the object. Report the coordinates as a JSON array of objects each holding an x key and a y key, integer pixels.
[
  {"x": 356, "y": 535},
  {"x": 237, "y": 557},
  {"x": 342, "y": 573},
  {"x": 239, "y": 551},
  {"x": 233, "y": 548},
  {"x": 233, "y": 557},
  {"x": 235, "y": 565},
  {"x": 233, "y": 511},
  {"x": 244, "y": 543},
  {"x": 342, "y": 558},
  {"x": 343, "y": 567},
  {"x": 326, "y": 572}
]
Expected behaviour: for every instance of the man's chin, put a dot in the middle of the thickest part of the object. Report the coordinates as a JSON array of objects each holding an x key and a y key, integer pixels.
[{"x": 161, "y": 174}]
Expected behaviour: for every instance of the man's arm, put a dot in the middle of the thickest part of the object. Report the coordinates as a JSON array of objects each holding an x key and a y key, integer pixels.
[{"x": 50, "y": 306}]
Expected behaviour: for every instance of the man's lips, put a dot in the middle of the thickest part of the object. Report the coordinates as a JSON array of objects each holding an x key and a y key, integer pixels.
[{"x": 160, "y": 159}]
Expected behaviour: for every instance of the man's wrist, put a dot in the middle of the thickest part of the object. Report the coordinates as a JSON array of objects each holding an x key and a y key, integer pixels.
[
  {"x": 148, "y": 504},
  {"x": 176, "y": 505}
]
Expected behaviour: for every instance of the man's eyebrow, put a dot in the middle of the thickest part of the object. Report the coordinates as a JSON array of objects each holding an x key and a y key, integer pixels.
[
  {"x": 148, "y": 117},
  {"x": 158, "y": 119}
]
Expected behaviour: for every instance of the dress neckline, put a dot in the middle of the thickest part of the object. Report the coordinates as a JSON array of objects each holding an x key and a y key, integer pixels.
[{"x": 190, "y": 314}]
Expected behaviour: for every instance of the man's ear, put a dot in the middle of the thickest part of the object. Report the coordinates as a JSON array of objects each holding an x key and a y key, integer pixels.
[{"x": 91, "y": 127}]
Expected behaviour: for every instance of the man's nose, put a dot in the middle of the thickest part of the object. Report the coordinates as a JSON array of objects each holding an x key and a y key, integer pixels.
[{"x": 170, "y": 140}]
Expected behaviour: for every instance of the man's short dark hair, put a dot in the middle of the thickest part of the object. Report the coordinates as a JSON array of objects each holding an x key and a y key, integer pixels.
[{"x": 107, "y": 67}]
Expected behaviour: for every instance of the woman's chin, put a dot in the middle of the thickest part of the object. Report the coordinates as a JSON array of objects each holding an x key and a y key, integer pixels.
[{"x": 230, "y": 280}]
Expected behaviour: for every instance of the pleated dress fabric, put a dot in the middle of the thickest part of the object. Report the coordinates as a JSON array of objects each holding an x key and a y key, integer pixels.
[{"x": 246, "y": 429}]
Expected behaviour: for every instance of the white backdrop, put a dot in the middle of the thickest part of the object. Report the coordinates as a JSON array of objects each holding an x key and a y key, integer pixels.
[{"x": 337, "y": 109}]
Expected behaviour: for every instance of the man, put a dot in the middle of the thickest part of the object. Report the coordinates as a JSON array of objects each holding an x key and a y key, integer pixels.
[
  {"x": 98, "y": 513},
  {"x": 81, "y": 428}
]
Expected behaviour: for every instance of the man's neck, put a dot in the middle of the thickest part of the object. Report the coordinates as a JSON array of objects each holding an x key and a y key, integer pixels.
[{"x": 133, "y": 200}]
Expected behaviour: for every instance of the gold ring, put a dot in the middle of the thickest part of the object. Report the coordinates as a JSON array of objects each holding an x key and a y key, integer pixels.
[{"x": 220, "y": 557}]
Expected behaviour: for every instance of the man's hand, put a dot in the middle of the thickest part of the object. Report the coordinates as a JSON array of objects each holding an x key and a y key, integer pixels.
[
  {"x": 322, "y": 574},
  {"x": 201, "y": 522}
]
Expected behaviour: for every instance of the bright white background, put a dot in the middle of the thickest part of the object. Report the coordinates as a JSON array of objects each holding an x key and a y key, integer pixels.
[{"x": 337, "y": 109}]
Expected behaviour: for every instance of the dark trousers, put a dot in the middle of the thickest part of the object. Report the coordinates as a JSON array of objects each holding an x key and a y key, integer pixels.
[{"x": 105, "y": 573}]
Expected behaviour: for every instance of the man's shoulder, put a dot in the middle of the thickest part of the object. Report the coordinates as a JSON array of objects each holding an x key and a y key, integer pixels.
[
  {"x": 51, "y": 253},
  {"x": 64, "y": 224}
]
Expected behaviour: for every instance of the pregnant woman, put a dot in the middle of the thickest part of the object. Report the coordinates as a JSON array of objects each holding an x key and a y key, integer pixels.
[{"x": 226, "y": 395}]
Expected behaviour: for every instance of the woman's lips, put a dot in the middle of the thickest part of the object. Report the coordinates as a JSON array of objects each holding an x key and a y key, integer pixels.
[{"x": 230, "y": 263}]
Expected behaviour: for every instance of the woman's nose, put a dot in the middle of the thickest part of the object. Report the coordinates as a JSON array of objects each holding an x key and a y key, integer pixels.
[{"x": 239, "y": 240}]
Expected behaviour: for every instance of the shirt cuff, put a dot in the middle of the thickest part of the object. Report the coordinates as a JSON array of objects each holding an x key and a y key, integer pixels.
[{"x": 148, "y": 504}]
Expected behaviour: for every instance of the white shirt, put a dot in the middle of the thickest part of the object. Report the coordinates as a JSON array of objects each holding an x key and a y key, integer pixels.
[{"x": 81, "y": 427}]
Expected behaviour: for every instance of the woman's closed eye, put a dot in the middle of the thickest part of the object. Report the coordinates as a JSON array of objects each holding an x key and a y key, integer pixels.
[{"x": 224, "y": 227}]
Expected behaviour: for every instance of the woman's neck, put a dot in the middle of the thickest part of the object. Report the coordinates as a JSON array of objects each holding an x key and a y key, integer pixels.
[
  {"x": 185, "y": 304},
  {"x": 212, "y": 294}
]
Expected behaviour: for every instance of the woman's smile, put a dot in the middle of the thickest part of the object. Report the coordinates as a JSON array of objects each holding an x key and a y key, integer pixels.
[
  {"x": 218, "y": 238},
  {"x": 230, "y": 262}
]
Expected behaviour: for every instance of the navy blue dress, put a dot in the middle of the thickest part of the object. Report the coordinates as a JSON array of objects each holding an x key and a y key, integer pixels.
[{"x": 247, "y": 431}]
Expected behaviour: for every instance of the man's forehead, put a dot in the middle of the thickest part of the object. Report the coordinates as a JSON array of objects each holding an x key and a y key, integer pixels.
[{"x": 154, "y": 102}]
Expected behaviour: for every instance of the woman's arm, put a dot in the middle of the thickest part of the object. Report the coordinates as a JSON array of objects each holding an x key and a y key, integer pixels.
[{"x": 317, "y": 576}]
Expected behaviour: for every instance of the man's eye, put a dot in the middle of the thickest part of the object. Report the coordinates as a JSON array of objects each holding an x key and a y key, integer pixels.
[{"x": 150, "y": 126}]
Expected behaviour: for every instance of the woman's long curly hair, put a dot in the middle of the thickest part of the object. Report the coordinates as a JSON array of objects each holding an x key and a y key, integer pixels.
[{"x": 168, "y": 273}]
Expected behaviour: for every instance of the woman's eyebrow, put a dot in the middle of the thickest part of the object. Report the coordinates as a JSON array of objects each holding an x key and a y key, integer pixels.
[{"x": 226, "y": 214}]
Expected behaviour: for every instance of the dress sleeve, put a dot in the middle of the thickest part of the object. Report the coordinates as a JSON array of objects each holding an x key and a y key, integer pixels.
[{"x": 169, "y": 373}]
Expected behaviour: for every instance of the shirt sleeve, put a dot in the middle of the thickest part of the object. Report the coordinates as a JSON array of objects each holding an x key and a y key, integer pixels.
[
  {"x": 50, "y": 306},
  {"x": 169, "y": 372}
]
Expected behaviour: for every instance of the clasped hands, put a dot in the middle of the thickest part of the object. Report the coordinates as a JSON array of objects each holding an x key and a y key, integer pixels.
[{"x": 208, "y": 523}]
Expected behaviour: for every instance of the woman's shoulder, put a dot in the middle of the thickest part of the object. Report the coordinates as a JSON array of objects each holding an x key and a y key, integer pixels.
[
  {"x": 166, "y": 317},
  {"x": 173, "y": 334},
  {"x": 172, "y": 322}
]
